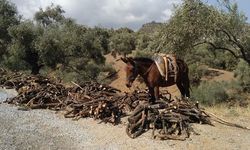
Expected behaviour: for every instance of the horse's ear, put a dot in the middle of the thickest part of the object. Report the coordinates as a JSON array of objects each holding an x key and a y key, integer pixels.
[{"x": 125, "y": 59}]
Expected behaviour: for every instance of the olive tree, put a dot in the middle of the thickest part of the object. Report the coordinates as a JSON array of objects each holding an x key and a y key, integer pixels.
[
  {"x": 195, "y": 22},
  {"x": 8, "y": 18},
  {"x": 22, "y": 47},
  {"x": 122, "y": 41}
]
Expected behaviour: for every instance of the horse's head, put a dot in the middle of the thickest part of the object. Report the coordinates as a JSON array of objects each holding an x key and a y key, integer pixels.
[{"x": 131, "y": 70}]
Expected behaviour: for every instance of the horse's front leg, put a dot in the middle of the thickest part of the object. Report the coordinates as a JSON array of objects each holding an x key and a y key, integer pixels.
[
  {"x": 156, "y": 93},
  {"x": 152, "y": 94}
]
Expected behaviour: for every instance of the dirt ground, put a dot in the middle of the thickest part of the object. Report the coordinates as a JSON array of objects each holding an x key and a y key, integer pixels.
[{"x": 45, "y": 129}]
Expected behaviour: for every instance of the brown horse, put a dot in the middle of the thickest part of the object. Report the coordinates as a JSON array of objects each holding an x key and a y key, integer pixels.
[{"x": 148, "y": 70}]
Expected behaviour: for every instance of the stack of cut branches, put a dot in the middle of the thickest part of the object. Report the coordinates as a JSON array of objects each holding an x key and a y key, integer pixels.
[
  {"x": 95, "y": 100},
  {"x": 36, "y": 92},
  {"x": 171, "y": 120},
  {"x": 89, "y": 99}
]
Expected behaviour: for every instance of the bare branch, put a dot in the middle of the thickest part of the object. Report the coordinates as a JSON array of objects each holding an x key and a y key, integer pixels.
[
  {"x": 232, "y": 38},
  {"x": 217, "y": 47}
]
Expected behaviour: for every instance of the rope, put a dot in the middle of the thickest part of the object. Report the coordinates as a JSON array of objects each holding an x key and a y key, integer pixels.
[{"x": 222, "y": 121}]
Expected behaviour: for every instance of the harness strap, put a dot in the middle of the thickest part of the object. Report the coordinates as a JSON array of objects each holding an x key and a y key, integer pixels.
[{"x": 165, "y": 58}]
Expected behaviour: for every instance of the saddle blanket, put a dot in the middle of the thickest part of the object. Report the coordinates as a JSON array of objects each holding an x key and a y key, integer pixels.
[{"x": 165, "y": 69}]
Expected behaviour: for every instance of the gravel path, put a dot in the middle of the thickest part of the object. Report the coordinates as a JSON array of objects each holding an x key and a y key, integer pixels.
[{"x": 44, "y": 129}]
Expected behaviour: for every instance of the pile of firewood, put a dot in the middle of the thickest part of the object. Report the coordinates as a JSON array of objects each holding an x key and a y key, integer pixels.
[
  {"x": 89, "y": 99},
  {"x": 34, "y": 91},
  {"x": 171, "y": 119},
  {"x": 99, "y": 101},
  {"x": 94, "y": 100}
]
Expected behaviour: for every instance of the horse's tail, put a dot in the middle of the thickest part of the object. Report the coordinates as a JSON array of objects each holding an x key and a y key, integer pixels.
[
  {"x": 188, "y": 85},
  {"x": 183, "y": 72},
  {"x": 186, "y": 80}
]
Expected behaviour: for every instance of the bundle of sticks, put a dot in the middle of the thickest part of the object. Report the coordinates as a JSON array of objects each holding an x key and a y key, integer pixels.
[
  {"x": 171, "y": 119},
  {"x": 89, "y": 99}
]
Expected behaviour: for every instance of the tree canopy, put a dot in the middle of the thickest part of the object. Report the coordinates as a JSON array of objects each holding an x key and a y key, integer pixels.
[
  {"x": 196, "y": 31},
  {"x": 51, "y": 39},
  {"x": 194, "y": 23},
  {"x": 9, "y": 17},
  {"x": 122, "y": 41}
]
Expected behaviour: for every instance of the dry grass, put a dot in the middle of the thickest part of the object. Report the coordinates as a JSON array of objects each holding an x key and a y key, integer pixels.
[
  {"x": 226, "y": 111},
  {"x": 238, "y": 115}
]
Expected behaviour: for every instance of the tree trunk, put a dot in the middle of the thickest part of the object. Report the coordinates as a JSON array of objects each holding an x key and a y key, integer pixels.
[{"x": 35, "y": 69}]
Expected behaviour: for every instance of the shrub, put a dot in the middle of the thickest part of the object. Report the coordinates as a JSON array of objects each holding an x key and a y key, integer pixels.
[
  {"x": 196, "y": 71},
  {"x": 90, "y": 72},
  {"x": 236, "y": 96},
  {"x": 143, "y": 53},
  {"x": 210, "y": 93},
  {"x": 107, "y": 74},
  {"x": 214, "y": 59},
  {"x": 242, "y": 72}
]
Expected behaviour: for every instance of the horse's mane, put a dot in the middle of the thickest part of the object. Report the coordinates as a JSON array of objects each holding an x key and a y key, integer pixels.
[{"x": 143, "y": 59}]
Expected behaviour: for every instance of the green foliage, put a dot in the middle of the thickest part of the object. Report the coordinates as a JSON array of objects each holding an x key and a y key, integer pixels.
[
  {"x": 214, "y": 59},
  {"x": 143, "y": 53},
  {"x": 22, "y": 46},
  {"x": 102, "y": 36},
  {"x": 107, "y": 74},
  {"x": 197, "y": 32},
  {"x": 142, "y": 41},
  {"x": 14, "y": 62},
  {"x": 40, "y": 43},
  {"x": 8, "y": 18},
  {"x": 146, "y": 35},
  {"x": 235, "y": 93},
  {"x": 196, "y": 23},
  {"x": 191, "y": 21},
  {"x": 53, "y": 41},
  {"x": 88, "y": 72},
  {"x": 49, "y": 47},
  {"x": 81, "y": 51},
  {"x": 196, "y": 72},
  {"x": 51, "y": 15},
  {"x": 122, "y": 41},
  {"x": 222, "y": 60},
  {"x": 92, "y": 46},
  {"x": 210, "y": 93},
  {"x": 242, "y": 73}
]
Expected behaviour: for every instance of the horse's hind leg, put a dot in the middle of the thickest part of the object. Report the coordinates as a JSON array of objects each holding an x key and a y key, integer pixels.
[{"x": 186, "y": 85}]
